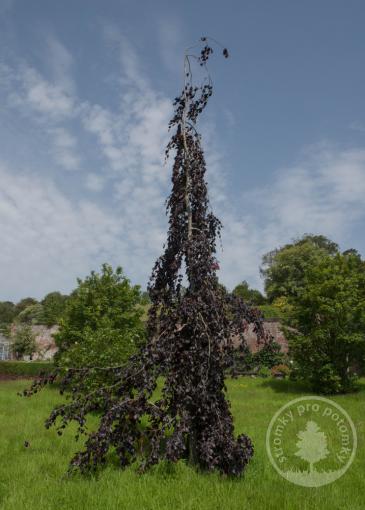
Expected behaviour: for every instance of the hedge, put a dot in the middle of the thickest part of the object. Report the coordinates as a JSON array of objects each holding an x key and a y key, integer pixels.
[
  {"x": 25, "y": 368},
  {"x": 270, "y": 312}
]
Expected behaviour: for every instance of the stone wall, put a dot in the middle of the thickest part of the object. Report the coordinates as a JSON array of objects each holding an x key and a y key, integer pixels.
[
  {"x": 45, "y": 342},
  {"x": 46, "y": 346},
  {"x": 272, "y": 327}
]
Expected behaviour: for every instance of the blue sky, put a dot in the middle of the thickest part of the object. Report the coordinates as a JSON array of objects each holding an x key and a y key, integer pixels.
[{"x": 85, "y": 97}]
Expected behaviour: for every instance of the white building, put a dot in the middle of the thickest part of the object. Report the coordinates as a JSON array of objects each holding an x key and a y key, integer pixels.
[{"x": 5, "y": 348}]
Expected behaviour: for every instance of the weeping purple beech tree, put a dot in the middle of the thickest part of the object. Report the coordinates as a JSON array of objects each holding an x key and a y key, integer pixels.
[{"x": 190, "y": 330}]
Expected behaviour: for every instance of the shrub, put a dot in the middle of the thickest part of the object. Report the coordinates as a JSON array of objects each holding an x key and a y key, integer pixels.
[
  {"x": 281, "y": 370},
  {"x": 25, "y": 368},
  {"x": 270, "y": 311},
  {"x": 269, "y": 355},
  {"x": 264, "y": 372},
  {"x": 24, "y": 343},
  {"x": 103, "y": 347},
  {"x": 246, "y": 361}
]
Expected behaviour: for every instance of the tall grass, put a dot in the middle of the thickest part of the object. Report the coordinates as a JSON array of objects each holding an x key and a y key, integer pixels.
[{"x": 31, "y": 478}]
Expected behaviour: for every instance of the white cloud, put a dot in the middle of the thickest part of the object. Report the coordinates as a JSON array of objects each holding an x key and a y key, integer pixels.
[
  {"x": 65, "y": 148},
  {"x": 95, "y": 182},
  {"x": 61, "y": 63},
  {"x": 40, "y": 96},
  {"x": 132, "y": 140},
  {"x": 48, "y": 239},
  {"x": 78, "y": 237},
  {"x": 170, "y": 38},
  {"x": 357, "y": 126},
  {"x": 323, "y": 194},
  {"x": 48, "y": 104}
]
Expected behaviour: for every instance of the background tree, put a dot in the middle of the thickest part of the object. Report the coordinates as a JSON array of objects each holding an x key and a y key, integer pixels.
[
  {"x": 283, "y": 268},
  {"x": 7, "y": 315},
  {"x": 327, "y": 334},
  {"x": 251, "y": 296},
  {"x": 24, "y": 303},
  {"x": 24, "y": 343},
  {"x": 54, "y": 305},
  {"x": 32, "y": 314},
  {"x": 101, "y": 323}
]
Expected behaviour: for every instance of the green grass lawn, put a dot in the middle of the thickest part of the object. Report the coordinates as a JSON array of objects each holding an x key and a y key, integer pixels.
[{"x": 32, "y": 478}]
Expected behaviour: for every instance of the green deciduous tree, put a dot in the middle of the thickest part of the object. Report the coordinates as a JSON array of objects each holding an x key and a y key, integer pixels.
[
  {"x": 24, "y": 343},
  {"x": 251, "y": 296},
  {"x": 32, "y": 314},
  {"x": 7, "y": 314},
  {"x": 54, "y": 305},
  {"x": 24, "y": 303},
  {"x": 283, "y": 268},
  {"x": 101, "y": 324},
  {"x": 328, "y": 317}
]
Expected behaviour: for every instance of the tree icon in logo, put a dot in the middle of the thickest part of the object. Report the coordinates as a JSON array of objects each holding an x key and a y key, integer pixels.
[{"x": 312, "y": 444}]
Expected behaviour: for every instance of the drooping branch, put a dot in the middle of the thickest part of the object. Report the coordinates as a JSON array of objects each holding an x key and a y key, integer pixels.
[{"x": 190, "y": 333}]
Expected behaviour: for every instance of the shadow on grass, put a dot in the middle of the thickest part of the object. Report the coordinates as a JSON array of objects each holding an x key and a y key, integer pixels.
[
  {"x": 300, "y": 387},
  {"x": 286, "y": 386},
  {"x": 361, "y": 385}
]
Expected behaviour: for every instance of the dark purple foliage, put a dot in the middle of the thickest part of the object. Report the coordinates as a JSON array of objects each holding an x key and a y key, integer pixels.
[{"x": 190, "y": 331}]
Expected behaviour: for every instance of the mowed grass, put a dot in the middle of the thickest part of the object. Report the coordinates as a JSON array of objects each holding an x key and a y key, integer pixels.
[{"x": 32, "y": 478}]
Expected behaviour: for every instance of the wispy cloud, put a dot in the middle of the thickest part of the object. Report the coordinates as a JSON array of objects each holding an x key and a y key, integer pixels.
[
  {"x": 357, "y": 126},
  {"x": 46, "y": 239},
  {"x": 49, "y": 238},
  {"x": 170, "y": 39},
  {"x": 39, "y": 96},
  {"x": 50, "y": 103},
  {"x": 95, "y": 182},
  {"x": 61, "y": 64},
  {"x": 324, "y": 194},
  {"x": 64, "y": 148},
  {"x": 131, "y": 140}
]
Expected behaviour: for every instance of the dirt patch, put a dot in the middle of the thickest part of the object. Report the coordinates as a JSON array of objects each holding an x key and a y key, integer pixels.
[{"x": 13, "y": 377}]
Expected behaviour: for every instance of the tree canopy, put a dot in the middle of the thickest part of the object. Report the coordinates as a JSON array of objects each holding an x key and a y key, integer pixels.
[
  {"x": 251, "y": 296},
  {"x": 101, "y": 324},
  {"x": 7, "y": 314},
  {"x": 53, "y": 304},
  {"x": 24, "y": 303},
  {"x": 32, "y": 314},
  {"x": 24, "y": 343},
  {"x": 283, "y": 269},
  {"x": 327, "y": 322}
]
